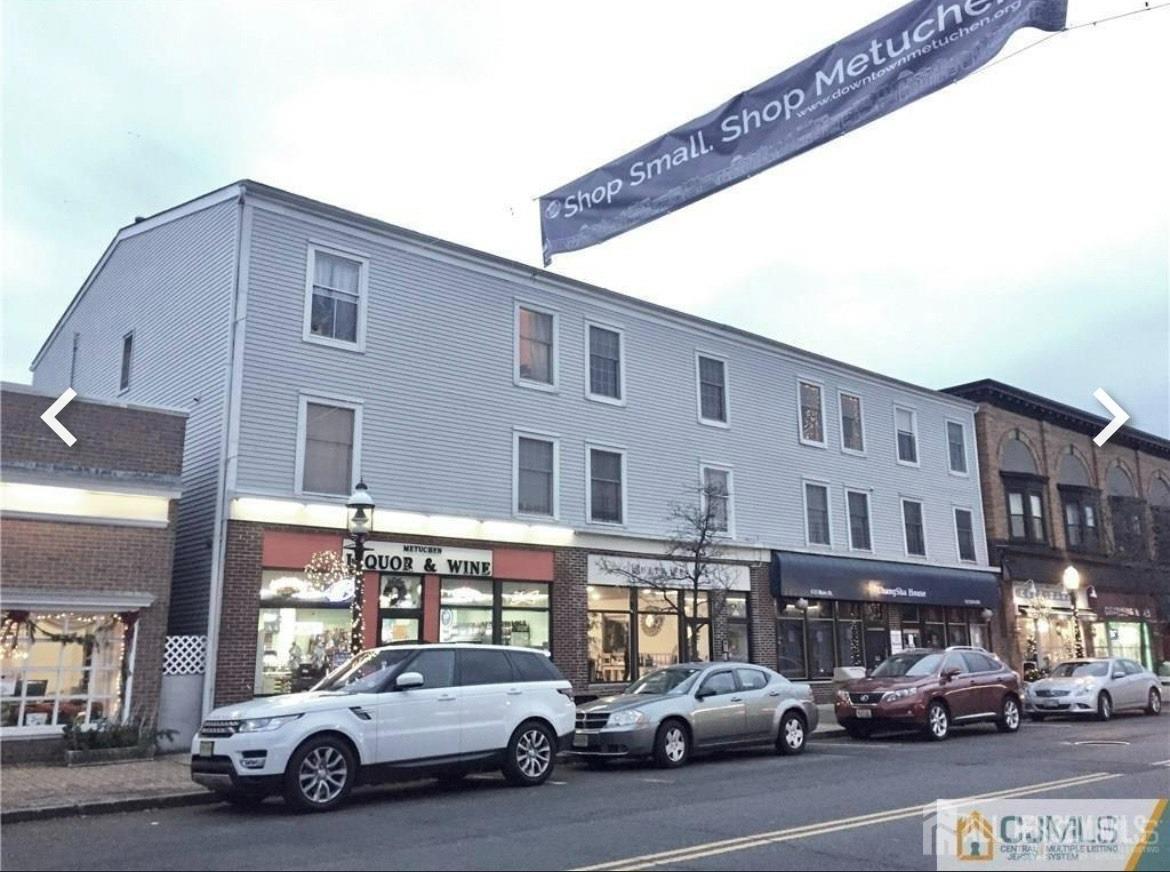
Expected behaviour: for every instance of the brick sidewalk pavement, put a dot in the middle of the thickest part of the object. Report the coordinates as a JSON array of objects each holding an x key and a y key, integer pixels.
[{"x": 29, "y": 789}]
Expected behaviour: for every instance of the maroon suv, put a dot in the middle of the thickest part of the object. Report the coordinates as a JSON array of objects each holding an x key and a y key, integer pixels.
[{"x": 931, "y": 690}]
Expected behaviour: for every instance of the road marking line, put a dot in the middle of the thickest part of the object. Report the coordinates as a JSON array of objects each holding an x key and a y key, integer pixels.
[
  {"x": 698, "y": 852},
  {"x": 1161, "y": 763}
]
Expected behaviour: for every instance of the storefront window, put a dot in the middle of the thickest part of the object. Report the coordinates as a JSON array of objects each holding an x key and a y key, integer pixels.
[
  {"x": 790, "y": 647},
  {"x": 820, "y": 648},
  {"x": 735, "y": 613},
  {"x": 303, "y": 631},
  {"x": 400, "y": 609},
  {"x": 1120, "y": 639},
  {"x": 465, "y": 611},
  {"x": 634, "y": 631},
  {"x": 494, "y": 612},
  {"x": 934, "y": 633},
  {"x": 60, "y": 668},
  {"x": 877, "y": 637}
]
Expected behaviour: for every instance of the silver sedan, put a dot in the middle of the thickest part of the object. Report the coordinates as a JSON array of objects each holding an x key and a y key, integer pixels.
[
  {"x": 1094, "y": 686},
  {"x": 670, "y": 713}
]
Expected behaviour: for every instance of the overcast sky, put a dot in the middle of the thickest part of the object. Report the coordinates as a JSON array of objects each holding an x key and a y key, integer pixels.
[{"x": 1012, "y": 226}]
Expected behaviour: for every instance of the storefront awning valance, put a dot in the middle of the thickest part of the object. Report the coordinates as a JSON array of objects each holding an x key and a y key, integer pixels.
[
  {"x": 818, "y": 576},
  {"x": 32, "y": 599}
]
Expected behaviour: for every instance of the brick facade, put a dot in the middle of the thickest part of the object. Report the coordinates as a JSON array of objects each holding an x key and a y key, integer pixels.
[
  {"x": 1050, "y": 431},
  {"x": 131, "y": 449},
  {"x": 245, "y": 562}
]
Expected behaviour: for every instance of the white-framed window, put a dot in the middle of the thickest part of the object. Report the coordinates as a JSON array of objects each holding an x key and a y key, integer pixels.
[
  {"x": 711, "y": 384},
  {"x": 336, "y": 288},
  {"x": 328, "y": 445},
  {"x": 811, "y": 412},
  {"x": 852, "y": 423},
  {"x": 818, "y": 527},
  {"x": 535, "y": 479},
  {"x": 64, "y": 668},
  {"x": 717, "y": 496},
  {"x": 957, "y": 447},
  {"x": 605, "y": 355},
  {"x": 913, "y": 527},
  {"x": 906, "y": 435},
  {"x": 605, "y": 496},
  {"x": 857, "y": 508},
  {"x": 127, "y": 362},
  {"x": 536, "y": 347},
  {"x": 965, "y": 534}
]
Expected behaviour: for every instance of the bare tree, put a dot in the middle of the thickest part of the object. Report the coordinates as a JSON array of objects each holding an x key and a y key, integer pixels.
[{"x": 691, "y": 562}]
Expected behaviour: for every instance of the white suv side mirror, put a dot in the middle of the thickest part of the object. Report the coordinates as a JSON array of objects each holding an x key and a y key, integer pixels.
[{"x": 407, "y": 680}]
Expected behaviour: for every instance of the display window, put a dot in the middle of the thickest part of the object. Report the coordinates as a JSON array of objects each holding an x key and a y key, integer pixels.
[
  {"x": 61, "y": 668},
  {"x": 303, "y": 631},
  {"x": 495, "y": 612},
  {"x": 400, "y": 609}
]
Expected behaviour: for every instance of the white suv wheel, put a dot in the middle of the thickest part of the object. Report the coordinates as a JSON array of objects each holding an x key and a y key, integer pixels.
[{"x": 533, "y": 753}]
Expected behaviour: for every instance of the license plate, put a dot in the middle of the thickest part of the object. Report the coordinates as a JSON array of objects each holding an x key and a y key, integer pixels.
[
  {"x": 1050, "y": 704},
  {"x": 580, "y": 741},
  {"x": 865, "y": 713},
  {"x": 206, "y": 749}
]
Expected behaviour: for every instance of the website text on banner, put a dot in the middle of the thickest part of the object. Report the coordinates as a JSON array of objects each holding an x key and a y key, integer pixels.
[{"x": 915, "y": 50}]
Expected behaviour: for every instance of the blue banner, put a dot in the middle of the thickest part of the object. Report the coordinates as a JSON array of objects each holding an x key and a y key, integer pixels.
[{"x": 915, "y": 50}]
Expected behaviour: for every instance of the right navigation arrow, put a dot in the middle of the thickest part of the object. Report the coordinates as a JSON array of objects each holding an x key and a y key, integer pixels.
[{"x": 1120, "y": 416}]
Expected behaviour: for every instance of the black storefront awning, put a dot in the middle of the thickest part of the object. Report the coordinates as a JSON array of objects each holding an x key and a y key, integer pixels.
[{"x": 819, "y": 576}]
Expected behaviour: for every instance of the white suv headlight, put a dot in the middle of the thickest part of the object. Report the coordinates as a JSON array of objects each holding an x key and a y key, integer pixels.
[
  {"x": 894, "y": 695},
  {"x": 632, "y": 718},
  {"x": 265, "y": 725}
]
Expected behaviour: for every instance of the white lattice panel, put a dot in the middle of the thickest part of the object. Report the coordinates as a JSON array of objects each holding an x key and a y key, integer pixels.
[{"x": 185, "y": 655}]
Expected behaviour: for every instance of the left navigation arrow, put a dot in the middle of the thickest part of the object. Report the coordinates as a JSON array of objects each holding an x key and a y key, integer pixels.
[{"x": 49, "y": 416}]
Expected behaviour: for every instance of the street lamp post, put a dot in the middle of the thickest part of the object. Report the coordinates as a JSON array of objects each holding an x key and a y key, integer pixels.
[
  {"x": 360, "y": 521},
  {"x": 1072, "y": 581}
]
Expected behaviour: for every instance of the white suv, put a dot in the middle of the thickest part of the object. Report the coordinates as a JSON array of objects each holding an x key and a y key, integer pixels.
[{"x": 404, "y": 710}]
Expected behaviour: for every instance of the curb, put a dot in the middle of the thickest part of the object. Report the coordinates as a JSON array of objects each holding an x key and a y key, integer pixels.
[{"x": 108, "y": 806}]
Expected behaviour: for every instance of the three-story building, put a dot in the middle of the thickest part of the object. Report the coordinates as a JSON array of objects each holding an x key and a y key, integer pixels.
[{"x": 525, "y": 437}]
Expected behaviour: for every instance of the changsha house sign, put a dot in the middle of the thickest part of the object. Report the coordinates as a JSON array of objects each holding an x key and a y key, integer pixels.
[{"x": 423, "y": 559}]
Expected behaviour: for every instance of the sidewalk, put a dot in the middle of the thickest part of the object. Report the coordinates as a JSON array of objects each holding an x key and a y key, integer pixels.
[
  {"x": 36, "y": 791},
  {"x": 827, "y": 722}
]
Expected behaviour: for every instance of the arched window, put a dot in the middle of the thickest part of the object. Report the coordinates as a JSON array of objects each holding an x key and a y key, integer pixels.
[
  {"x": 1078, "y": 503},
  {"x": 1117, "y": 482},
  {"x": 1160, "y": 510},
  {"x": 1023, "y": 492},
  {"x": 1017, "y": 457},
  {"x": 1160, "y": 492},
  {"x": 1129, "y": 513}
]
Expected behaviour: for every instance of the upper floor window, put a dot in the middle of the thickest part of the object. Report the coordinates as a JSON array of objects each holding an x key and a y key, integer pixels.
[
  {"x": 328, "y": 455},
  {"x": 1128, "y": 512},
  {"x": 957, "y": 447},
  {"x": 812, "y": 414},
  {"x": 717, "y": 497},
  {"x": 915, "y": 529},
  {"x": 965, "y": 533},
  {"x": 127, "y": 357},
  {"x": 336, "y": 298},
  {"x": 607, "y": 489},
  {"x": 1025, "y": 505},
  {"x": 606, "y": 379},
  {"x": 1080, "y": 518},
  {"x": 906, "y": 425},
  {"x": 852, "y": 434},
  {"x": 816, "y": 513},
  {"x": 536, "y": 332},
  {"x": 536, "y": 476},
  {"x": 857, "y": 503},
  {"x": 712, "y": 390}
]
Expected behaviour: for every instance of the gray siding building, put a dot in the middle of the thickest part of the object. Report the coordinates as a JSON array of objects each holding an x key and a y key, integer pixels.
[{"x": 541, "y": 423}]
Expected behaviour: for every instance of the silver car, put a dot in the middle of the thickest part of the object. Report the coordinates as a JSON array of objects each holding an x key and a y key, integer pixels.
[
  {"x": 1094, "y": 686},
  {"x": 672, "y": 712}
]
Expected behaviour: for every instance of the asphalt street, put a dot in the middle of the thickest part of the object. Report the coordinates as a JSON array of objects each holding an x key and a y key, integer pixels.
[{"x": 842, "y": 805}]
